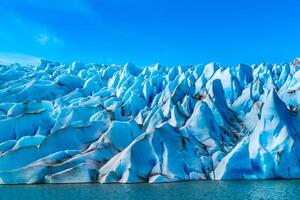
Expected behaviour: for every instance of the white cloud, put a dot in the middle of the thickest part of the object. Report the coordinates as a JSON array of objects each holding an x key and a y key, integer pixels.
[
  {"x": 43, "y": 39},
  {"x": 46, "y": 38},
  {"x": 22, "y": 31},
  {"x": 23, "y": 59}
]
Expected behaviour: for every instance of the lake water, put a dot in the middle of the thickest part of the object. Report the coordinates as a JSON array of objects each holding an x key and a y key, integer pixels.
[{"x": 246, "y": 189}]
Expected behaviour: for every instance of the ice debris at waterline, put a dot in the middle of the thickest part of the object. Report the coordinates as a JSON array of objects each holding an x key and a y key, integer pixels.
[{"x": 98, "y": 123}]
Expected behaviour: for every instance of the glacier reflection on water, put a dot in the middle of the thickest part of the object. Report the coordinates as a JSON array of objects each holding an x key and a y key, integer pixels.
[{"x": 245, "y": 189}]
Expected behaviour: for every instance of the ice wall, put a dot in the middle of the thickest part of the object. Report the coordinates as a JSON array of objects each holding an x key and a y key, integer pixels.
[{"x": 64, "y": 123}]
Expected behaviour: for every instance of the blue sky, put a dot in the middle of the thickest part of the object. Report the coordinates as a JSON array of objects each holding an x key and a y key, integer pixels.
[{"x": 147, "y": 32}]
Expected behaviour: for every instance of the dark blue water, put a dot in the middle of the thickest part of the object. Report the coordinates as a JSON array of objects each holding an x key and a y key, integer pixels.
[{"x": 272, "y": 189}]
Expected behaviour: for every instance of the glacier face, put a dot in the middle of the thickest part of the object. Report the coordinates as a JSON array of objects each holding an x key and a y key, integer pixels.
[{"x": 96, "y": 123}]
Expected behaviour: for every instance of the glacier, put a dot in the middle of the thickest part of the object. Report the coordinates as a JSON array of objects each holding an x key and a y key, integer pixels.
[{"x": 77, "y": 123}]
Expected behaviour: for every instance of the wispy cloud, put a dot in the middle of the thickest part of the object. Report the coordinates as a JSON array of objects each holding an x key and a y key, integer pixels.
[
  {"x": 28, "y": 33},
  {"x": 23, "y": 32},
  {"x": 46, "y": 38},
  {"x": 26, "y": 28},
  {"x": 43, "y": 39},
  {"x": 11, "y": 58}
]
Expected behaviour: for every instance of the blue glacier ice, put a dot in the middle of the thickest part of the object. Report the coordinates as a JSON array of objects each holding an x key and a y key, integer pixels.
[{"x": 74, "y": 123}]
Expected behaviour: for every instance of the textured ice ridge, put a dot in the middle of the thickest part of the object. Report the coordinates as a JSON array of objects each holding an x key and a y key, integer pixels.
[{"x": 74, "y": 123}]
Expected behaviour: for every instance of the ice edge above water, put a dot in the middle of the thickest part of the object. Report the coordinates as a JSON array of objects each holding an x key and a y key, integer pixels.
[{"x": 77, "y": 123}]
